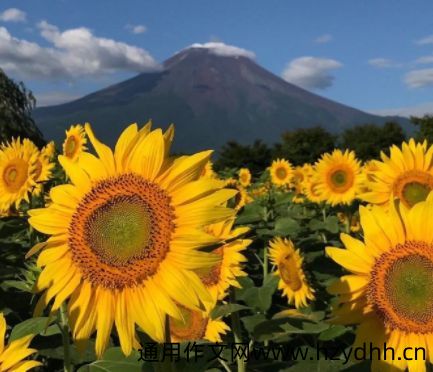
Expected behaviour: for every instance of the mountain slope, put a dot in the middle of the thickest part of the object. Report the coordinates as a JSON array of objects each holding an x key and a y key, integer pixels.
[{"x": 212, "y": 99}]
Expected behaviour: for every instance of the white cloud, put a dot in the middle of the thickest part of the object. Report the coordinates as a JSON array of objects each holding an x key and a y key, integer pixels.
[
  {"x": 13, "y": 15},
  {"x": 73, "y": 53},
  {"x": 136, "y": 29},
  {"x": 424, "y": 60},
  {"x": 425, "y": 40},
  {"x": 311, "y": 72},
  {"x": 416, "y": 110},
  {"x": 323, "y": 39},
  {"x": 225, "y": 50},
  {"x": 419, "y": 78},
  {"x": 383, "y": 63},
  {"x": 54, "y": 98}
]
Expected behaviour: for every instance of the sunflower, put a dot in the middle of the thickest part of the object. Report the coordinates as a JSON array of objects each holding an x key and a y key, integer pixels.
[
  {"x": 125, "y": 237},
  {"x": 12, "y": 355},
  {"x": 223, "y": 274},
  {"x": 208, "y": 170},
  {"x": 292, "y": 281},
  {"x": 298, "y": 176},
  {"x": 244, "y": 177},
  {"x": 17, "y": 170},
  {"x": 195, "y": 326},
  {"x": 338, "y": 177},
  {"x": 75, "y": 142},
  {"x": 311, "y": 192},
  {"x": 241, "y": 198},
  {"x": 49, "y": 150},
  {"x": 407, "y": 174},
  {"x": 389, "y": 288},
  {"x": 281, "y": 172},
  {"x": 43, "y": 165}
]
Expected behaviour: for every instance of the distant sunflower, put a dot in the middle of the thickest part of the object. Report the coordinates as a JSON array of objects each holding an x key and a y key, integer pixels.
[
  {"x": 195, "y": 326},
  {"x": 75, "y": 142},
  {"x": 241, "y": 197},
  {"x": 208, "y": 170},
  {"x": 292, "y": 281},
  {"x": 244, "y": 177},
  {"x": 17, "y": 170},
  {"x": 12, "y": 355},
  {"x": 43, "y": 165},
  {"x": 49, "y": 150},
  {"x": 389, "y": 290},
  {"x": 126, "y": 236},
  {"x": 338, "y": 177},
  {"x": 281, "y": 172},
  {"x": 219, "y": 277},
  {"x": 311, "y": 192},
  {"x": 407, "y": 174}
]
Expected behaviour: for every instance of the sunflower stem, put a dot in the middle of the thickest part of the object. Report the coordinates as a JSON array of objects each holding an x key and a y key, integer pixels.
[
  {"x": 237, "y": 331},
  {"x": 67, "y": 365}
]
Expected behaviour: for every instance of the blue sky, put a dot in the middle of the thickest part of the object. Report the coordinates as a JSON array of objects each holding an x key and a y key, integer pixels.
[{"x": 373, "y": 55}]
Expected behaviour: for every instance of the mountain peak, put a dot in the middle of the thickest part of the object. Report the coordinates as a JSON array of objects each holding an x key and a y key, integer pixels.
[
  {"x": 220, "y": 49},
  {"x": 214, "y": 93}
]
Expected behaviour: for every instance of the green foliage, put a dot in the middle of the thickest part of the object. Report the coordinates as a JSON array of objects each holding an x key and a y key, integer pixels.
[
  {"x": 369, "y": 140},
  {"x": 255, "y": 157},
  {"x": 424, "y": 127},
  {"x": 304, "y": 145},
  {"x": 16, "y": 104}
]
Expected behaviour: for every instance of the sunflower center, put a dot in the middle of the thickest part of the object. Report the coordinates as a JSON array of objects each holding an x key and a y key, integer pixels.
[
  {"x": 289, "y": 273},
  {"x": 71, "y": 146},
  {"x": 211, "y": 275},
  {"x": 281, "y": 173},
  {"x": 413, "y": 186},
  {"x": 15, "y": 175},
  {"x": 191, "y": 327},
  {"x": 401, "y": 287},
  {"x": 121, "y": 231},
  {"x": 340, "y": 180}
]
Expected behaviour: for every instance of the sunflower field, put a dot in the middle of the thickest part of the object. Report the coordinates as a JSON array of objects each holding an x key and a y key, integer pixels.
[{"x": 133, "y": 259}]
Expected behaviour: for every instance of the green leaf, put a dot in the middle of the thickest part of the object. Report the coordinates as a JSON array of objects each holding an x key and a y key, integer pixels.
[
  {"x": 286, "y": 226},
  {"x": 261, "y": 297},
  {"x": 30, "y": 326},
  {"x": 332, "y": 332},
  {"x": 224, "y": 310},
  {"x": 113, "y": 360},
  {"x": 253, "y": 212}
]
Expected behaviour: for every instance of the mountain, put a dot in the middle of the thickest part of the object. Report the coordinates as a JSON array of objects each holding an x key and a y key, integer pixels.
[{"x": 211, "y": 99}]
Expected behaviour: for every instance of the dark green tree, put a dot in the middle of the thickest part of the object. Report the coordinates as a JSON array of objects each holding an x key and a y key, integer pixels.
[
  {"x": 16, "y": 104},
  {"x": 255, "y": 157},
  {"x": 424, "y": 127},
  {"x": 368, "y": 140},
  {"x": 304, "y": 145}
]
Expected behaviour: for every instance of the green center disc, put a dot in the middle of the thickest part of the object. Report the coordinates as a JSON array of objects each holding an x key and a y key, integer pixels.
[
  {"x": 410, "y": 287},
  {"x": 120, "y": 230},
  {"x": 415, "y": 192}
]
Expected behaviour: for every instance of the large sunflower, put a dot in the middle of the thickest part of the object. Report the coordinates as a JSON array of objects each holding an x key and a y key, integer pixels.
[
  {"x": 407, "y": 174},
  {"x": 75, "y": 142},
  {"x": 126, "y": 236},
  {"x": 17, "y": 170},
  {"x": 289, "y": 269},
  {"x": 195, "y": 326},
  {"x": 12, "y": 356},
  {"x": 338, "y": 177},
  {"x": 219, "y": 277},
  {"x": 389, "y": 289},
  {"x": 281, "y": 172}
]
